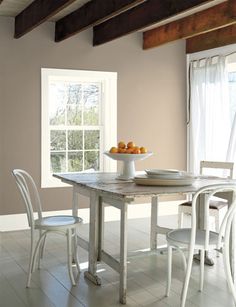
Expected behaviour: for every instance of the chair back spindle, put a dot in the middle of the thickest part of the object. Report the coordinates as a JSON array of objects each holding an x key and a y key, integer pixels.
[{"x": 29, "y": 193}]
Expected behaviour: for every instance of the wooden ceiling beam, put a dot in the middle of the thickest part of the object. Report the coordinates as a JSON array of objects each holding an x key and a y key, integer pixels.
[
  {"x": 36, "y": 13},
  {"x": 232, "y": 8},
  {"x": 213, "y": 18},
  {"x": 214, "y": 39},
  {"x": 141, "y": 16},
  {"x": 90, "y": 14}
]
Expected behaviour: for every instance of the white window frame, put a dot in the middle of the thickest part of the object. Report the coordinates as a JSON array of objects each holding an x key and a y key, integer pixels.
[{"x": 108, "y": 117}]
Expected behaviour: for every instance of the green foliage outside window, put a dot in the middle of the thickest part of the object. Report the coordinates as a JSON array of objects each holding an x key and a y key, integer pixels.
[
  {"x": 91, "y": 159},
  {"x": 75, "y": 140},
  {"x": 75, "y": 161},
  {"x": 58, "y": 162},
  {"x": 75, "y": 105}
]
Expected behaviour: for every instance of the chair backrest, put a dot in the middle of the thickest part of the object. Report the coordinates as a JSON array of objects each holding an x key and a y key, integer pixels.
[
  {"x": 208, "y": 192},
  {"x": 227, "y": 167},
  {"x": 29, "y": 193}
]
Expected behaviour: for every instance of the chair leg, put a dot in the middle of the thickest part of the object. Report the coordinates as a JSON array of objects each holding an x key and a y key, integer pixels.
[
  {"x": 217, "y": 227},
  {"x": 183, "y": 259},
  {"x": 217, "y": 222},
  {"x": 42, "y": 248},
  {"x": 169, "y": 259},
  {"x": 228, "y": 270},
  {"x": 69, "y": 256},
  {"x": 186, "y": 280},
  {"x": 202, "y": 259},
  {"x": 31, "y": 260},
  {"x": 75, "y": 254},
  {"x": 180, "y": 218},
  {"x": 36, "y": 251}
]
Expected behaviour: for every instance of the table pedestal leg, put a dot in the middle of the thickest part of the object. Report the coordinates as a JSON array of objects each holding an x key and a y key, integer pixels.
[
  {"x": 93, "y": 239},
  {"x": 123, "y": 253},
  {"x": 154, "y": 222},
  {"x": 101, "y": 229}
]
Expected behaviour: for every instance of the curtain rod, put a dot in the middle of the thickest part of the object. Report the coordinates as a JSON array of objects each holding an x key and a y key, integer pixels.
[{"x": 214, "y": 56}]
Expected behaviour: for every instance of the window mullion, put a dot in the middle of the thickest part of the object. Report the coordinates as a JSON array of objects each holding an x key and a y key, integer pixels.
[{"x": 60, "y": 87}]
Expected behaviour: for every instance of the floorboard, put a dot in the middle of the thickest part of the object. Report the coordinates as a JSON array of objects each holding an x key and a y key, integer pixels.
[{"x": 146, "y": 274}]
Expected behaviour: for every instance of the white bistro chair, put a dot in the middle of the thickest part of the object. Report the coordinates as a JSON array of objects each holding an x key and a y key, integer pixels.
[
  {"x": 218, "y": 206},
  {"x": 63, "y": 224},
  {"x": 203, "y": 240}
]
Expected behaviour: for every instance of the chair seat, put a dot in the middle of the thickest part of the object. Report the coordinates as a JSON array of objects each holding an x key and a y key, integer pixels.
[
  {"x": 59, "y": 221},
  {"x": 214, "y": 204},
  {"x": 183, "y": 236}
]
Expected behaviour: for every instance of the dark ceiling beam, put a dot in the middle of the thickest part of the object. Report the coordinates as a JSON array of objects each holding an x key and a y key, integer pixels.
[
  {"x": 36, "y": 13},
  {"x": 204, "y": 21},
  {"x": 90, "y": 14},
  {"x": 214, "y": 39},
  {"x": 141, "y": 16},
  {"x": 232, "y": 8}
]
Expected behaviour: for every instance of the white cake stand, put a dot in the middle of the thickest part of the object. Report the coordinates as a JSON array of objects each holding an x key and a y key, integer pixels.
[{"x": 128, "y": 171}]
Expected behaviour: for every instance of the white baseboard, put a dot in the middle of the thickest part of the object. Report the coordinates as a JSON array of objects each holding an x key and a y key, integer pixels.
[{"x": 19, "y": 221}]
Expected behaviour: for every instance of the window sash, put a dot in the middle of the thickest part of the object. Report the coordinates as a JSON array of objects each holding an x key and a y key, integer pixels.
[{"x": 107, "y": 118}]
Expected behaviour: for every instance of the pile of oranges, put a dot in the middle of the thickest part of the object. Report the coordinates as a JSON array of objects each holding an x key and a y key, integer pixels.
[{"x": 130, "y": 148}]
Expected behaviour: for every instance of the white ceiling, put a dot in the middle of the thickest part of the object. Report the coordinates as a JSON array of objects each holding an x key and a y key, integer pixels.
[{"x": 11, "y": 8}]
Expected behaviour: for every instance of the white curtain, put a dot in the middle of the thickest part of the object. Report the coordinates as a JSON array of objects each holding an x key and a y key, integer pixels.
[{"x": 209, "y": 112}]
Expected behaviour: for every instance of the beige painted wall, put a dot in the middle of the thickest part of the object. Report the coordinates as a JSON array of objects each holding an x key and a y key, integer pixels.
[{"x": 151, "y": 100}]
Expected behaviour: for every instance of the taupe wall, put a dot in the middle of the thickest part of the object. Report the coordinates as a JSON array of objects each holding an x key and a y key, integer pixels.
[{"x": 151, "y": 100}]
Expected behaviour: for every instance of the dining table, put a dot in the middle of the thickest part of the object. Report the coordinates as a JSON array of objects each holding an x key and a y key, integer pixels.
[{"x": 104, "y": 187}]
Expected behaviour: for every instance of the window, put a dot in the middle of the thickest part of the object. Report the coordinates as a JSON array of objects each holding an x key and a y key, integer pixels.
[
  {"x": 212, "y": 110},
  {"x": 78, "y": 122}
]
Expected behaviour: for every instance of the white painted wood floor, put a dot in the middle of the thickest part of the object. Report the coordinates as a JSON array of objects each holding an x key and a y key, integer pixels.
[{"x": 146, "y": 274}]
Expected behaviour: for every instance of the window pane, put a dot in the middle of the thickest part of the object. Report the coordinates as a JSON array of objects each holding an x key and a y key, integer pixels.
[
  {"x": 74, "y": 115},
  {"x": 57, "y": 98},
  {"x": 58, "y": 140},
  {"x": 58, "y": 162},
  {"x": 91, "y": 139},
  {"x": 75, "y": 140},
  {"x": 74, "y": 93},
  {"x": 91, "y": 104},
  {"x": 91, "y": 160},
  {"x": 75, "y": 161}
]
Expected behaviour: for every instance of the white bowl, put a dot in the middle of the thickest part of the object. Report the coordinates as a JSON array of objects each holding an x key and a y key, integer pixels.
[{"x": 128, "y": 162}]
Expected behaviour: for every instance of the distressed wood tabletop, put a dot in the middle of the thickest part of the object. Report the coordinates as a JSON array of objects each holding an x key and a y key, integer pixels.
[{"x": 107, "y": 183}]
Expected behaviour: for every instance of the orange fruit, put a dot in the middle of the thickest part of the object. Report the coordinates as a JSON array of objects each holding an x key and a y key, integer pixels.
[
  {"x": 136, "y": 150},
  {"x": 143, "y": 150},
  {"x": 121, "y": 144},
  {"x": 129, "y": 150},
  {"x": 121, "y": 150},
  {"x": 131, "y": 145},
  {"x": 114, "y": 150}
]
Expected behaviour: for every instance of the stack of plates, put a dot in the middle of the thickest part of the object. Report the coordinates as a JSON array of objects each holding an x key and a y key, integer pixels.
[
  {"x": 165, "y": 177},
  {"x": 165, "y": 173}
]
